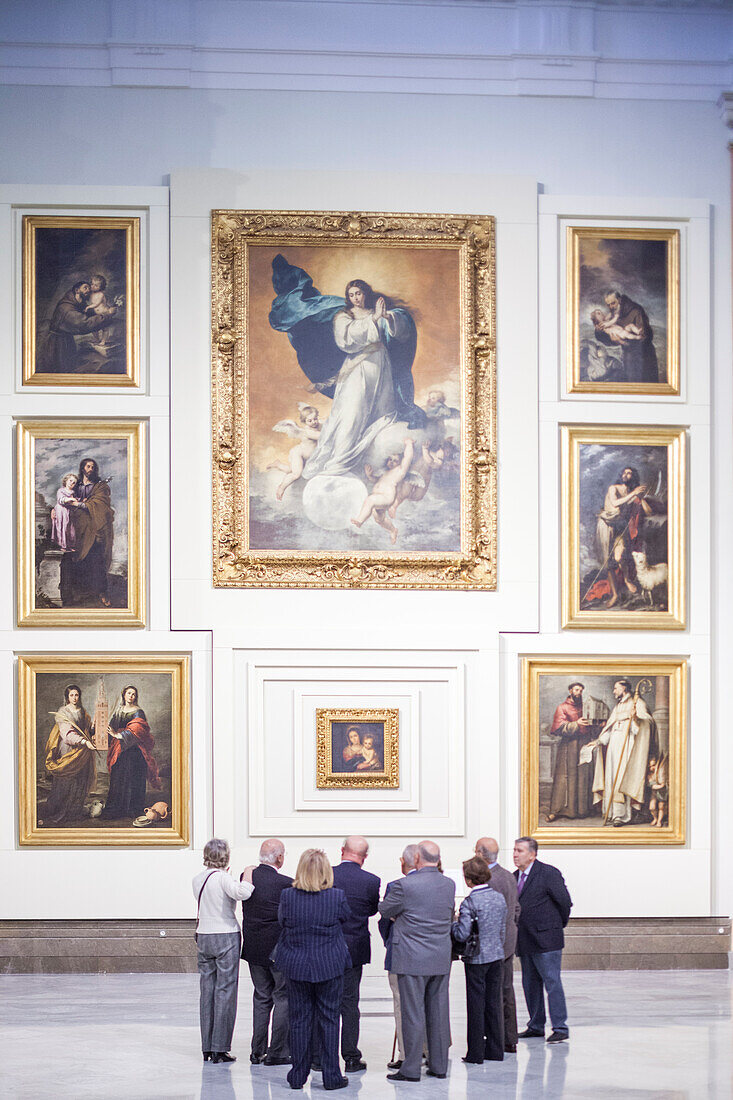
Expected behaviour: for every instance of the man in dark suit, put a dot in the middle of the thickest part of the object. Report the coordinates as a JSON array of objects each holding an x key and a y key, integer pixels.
[
  {"x": 261, "y": 933},
  {"x": 504, "y": 882},
  {"x": 362, "y": 894},
  {"x": 422, "y": 908},
  {"x": 546, "y": 906}
]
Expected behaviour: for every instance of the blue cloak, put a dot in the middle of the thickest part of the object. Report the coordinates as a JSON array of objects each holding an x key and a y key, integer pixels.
[{"x": 306, "y": 315}]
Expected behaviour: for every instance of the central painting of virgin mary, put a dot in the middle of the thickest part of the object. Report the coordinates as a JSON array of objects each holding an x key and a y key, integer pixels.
[{"x": 358, "y": 398}]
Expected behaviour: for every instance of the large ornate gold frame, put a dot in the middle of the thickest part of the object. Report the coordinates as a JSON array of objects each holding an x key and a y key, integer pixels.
[
  {"x": 131, "y": 226},
  {"x": 28, "y": 431},
  {"x": 605, "y": 836},
  {"x": 674, "y": 439},
  {"x": 176, "y": 665},
  {"x": 575, "y": 236},
  {"x": 326, "y": 778},
  {"x": 234, "y": 564}
]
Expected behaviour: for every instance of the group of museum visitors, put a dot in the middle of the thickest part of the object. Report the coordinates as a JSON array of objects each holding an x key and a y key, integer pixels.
[{"x": 306, "y": 941}]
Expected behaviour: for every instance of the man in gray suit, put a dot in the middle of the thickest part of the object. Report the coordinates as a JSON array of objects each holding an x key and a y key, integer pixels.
[
  {"x": 421, "y": 906},
  {"x": 505, "y": 882}
]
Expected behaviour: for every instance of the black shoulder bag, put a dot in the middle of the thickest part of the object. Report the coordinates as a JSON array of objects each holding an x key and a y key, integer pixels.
[{"x": 471, "y": 947}]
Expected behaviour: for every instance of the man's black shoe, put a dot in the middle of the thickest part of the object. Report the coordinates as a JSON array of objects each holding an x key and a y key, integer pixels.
[
  {"x": 339, "y": 1085},
  {"x": 218, "y": 1056},
  {"x": 558, "y": 1037},
  {"x": 529, "y": 1034},
  {"x": 510, "y": 1048},
  {"x": 355, "y": 1067},
  {"x": 394, "y": 1065},
  {"x": 256, "y": 1059},
  {"x": 400, "y": 1077},
  {"x": 276, "y": 1061},
  {"x": 432, "y": 1073}
]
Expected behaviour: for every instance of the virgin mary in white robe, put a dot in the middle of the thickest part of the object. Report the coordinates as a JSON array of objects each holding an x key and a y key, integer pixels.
[{"x": 364, "y": 400}]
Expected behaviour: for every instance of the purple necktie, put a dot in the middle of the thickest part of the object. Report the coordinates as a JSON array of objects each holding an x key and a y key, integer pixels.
[{"x": 520, "y": 887}]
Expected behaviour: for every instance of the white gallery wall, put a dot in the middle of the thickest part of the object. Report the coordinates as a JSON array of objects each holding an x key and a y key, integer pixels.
[{"x": 264, "y": 659}]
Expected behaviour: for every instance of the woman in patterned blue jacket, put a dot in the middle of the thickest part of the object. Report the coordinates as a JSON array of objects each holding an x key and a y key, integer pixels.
[
  {"x": 484, "y": 971},
  {"x": 312, "y": 954}
]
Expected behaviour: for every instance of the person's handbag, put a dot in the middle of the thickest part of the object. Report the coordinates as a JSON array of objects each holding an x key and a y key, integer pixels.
[
  {"x": 471, "y": 947},
  {"x": 198, "y": 905}
]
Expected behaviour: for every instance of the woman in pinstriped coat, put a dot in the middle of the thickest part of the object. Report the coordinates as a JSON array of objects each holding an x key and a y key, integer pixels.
[{"x": 312, "y": 954}]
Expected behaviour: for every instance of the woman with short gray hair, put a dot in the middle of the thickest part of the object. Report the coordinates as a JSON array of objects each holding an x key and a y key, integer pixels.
[{"x": 218, "y": 938}]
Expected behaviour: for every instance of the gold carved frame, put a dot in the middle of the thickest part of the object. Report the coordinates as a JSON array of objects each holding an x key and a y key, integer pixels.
[
  {"x": 326, "y": 778},
  {"x": 28, "y": 431},
  {"x": 575, "y": 235},
  {"x": 234, "y": 564},
  {"x": 674, "y": 439},
  {"x": 30, "y": 665},
  {"x": 675, "y": 668},
  {"x": 131, "y": 226}
]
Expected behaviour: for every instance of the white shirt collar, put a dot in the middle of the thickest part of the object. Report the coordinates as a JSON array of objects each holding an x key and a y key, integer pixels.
[{"x": 483, "y": 886}]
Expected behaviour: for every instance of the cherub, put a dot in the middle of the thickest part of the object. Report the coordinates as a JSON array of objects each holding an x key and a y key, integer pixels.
[
  {"x": 657, "y": 781},
  {"x": 308, "y": 435},
  {"x": 417, "y": 482},
  {"x": 437, "y": 409},
  {"x": 371, "y": 761},
  {"x": 619, "y": 333},
  {"x": 384, "y": 490}
]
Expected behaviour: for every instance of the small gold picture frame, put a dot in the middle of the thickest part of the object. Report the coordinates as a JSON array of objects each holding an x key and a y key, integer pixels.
[
  {"x": 105, "y": 791},
  {"x": 604, "y": 751},
  {"x": 81, "y": 301},
  {"x": 357, "y": 748},
  {"x": 623, "y": 310},
  {"x": 81, "y": 535},
  {"x": 623, "y": 527}
]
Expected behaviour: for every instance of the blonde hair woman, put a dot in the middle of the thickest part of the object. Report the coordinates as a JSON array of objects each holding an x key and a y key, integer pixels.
[
  {"x": 312, "y": 954},
  {"x": 218, "y": 939}
]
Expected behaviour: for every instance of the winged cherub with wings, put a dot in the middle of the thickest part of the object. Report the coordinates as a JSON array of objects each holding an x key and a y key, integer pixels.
[{"x": 307, "y": 434}]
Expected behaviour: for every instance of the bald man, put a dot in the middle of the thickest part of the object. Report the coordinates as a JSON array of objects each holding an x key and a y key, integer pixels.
[
  {"x": 504, "y": 882},
  {"x": 421, "y": 906},
  {"x": 362, "y": 893},
  {"x": 261, "y": 933}
]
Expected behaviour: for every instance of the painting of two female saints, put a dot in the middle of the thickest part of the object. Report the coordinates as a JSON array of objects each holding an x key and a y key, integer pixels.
[
  {"x": 604, "y": 751},
  {"x": 104, "y": 760},
  {"x": 354, "y": 399}
]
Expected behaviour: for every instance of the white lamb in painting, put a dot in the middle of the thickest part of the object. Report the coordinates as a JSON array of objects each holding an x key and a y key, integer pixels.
[{"x": 649, "y": 576}]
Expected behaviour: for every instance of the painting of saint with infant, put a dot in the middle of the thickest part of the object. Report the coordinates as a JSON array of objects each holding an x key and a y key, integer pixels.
[{"x": 623, "y": 314}]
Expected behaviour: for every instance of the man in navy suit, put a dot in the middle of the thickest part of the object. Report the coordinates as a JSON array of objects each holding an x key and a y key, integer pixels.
[
  {"x": 545, "y": 910},
  {"x": 362, "y": 893},
  {"x": 261, "y": 933}
]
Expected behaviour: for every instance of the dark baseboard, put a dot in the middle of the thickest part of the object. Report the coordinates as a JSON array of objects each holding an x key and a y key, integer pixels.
[{"x": 167, "y": 946}]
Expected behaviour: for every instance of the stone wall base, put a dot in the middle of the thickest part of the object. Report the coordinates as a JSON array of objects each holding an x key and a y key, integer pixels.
[{"x": 167, "y": 946}]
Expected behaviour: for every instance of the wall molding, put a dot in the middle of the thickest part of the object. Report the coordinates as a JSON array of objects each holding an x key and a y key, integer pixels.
[{"x": 608, "y": 50}]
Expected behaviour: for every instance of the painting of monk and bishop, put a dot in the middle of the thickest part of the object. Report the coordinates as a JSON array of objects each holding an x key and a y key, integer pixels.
[
  {"x": 358, "y": 404},
  {"x": 81, "y": 510},
  {"x": 103, "y": 749},
  {"x": 357, "y": 748},
  {"x": 623, "y": 311},
  {"x": 623, "y": 527},
  {"x": 603, "y": 750},
  {"x": 81, "y": 289}
]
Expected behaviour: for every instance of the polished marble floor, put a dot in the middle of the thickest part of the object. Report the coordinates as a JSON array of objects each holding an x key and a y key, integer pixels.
[{"x": 634, "y": 1036}]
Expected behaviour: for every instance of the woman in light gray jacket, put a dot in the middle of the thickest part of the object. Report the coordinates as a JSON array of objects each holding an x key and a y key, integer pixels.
[
  {"x": 218, "y": 938},
  {"x": 484, "y": 971}
]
